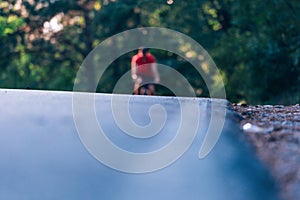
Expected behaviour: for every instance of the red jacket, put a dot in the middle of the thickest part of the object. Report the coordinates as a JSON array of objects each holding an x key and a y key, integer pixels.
[{"x": 143, "y": 64}]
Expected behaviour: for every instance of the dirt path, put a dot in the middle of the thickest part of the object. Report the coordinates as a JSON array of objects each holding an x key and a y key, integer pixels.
[{"x": 274, "y": 131}]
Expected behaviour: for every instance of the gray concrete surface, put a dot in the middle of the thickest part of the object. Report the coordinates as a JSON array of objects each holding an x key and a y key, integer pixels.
[{"x": 42, "y": 157}]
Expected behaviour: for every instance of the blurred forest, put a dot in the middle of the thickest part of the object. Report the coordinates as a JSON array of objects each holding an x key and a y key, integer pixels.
[{"x": 255, "y": 44}]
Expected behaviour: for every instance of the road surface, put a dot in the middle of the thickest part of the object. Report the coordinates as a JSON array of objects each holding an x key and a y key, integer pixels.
[{"x": 42, "y": 156}]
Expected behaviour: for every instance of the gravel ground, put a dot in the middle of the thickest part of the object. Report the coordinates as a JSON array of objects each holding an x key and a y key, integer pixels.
[{"x": 274, "y": 132}]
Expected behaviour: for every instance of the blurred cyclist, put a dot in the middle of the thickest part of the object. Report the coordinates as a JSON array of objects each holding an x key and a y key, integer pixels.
[{"x": 144, "y": 72}]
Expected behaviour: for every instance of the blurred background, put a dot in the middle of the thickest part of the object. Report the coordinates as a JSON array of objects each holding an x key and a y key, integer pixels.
[{"x": 255, "y": 44}]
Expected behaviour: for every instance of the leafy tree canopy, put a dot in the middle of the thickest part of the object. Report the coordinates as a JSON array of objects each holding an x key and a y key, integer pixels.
[{"x": 255, "y": 44}]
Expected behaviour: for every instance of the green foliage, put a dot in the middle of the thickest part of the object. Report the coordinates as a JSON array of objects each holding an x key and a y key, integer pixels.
[
  {"x": 9, "y": 25},
  {"x": 264, "y": 52},
  {"x": 255, "y": 44}
]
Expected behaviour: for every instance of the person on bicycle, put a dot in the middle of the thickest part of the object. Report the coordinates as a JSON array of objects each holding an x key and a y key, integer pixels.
[{"x": 144, "y": 72}]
